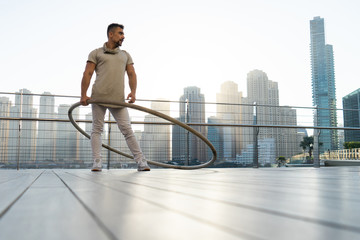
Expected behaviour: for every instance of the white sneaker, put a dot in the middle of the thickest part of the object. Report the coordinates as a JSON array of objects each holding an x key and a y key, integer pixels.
[
  {"x": 143, "y": 166},
  {"x": 97, "y": 165}
]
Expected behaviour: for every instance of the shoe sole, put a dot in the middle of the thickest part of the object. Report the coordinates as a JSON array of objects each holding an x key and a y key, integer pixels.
[{"x": 144, "y": 170}]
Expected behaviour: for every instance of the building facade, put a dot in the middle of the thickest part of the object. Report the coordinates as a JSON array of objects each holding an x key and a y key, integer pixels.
[
  {"x": 22, "y": 134},
  {"x": 265, "y": 94},
  {"x": 67, "y": 139},
  {"x": 155, "y": 140},
  {"x": 323, "y": 84},
  {"x": 216, "y": 136},
  {"x": 5, "y": 105},
  {"x": 351, "y": 113},
  {"x": 186, "y": 147},
  {"x": 229, "y": 111},
  {"x": 46, "y": 134}
]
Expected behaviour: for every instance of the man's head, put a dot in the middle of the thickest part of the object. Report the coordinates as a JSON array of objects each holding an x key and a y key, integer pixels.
[{"x": 115, "y": 34}]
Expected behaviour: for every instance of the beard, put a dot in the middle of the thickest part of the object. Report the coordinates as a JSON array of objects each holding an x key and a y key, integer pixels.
[{"x": 118, "y": 43}]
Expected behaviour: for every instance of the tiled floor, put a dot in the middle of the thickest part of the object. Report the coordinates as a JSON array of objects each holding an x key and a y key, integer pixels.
[{"x": 265, "y": 203}]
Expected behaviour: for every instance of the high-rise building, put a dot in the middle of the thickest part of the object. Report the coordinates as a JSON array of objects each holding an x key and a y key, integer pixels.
[
  {"x": 5, "y": 105},
  {"x": 85, "y": 146},
  {"x": 216, "y": 136},
  {"x": 229, "y": 111},
  {"x": 288, "y": 139},
  {"x": 323, "y": 84},
  {"x": 155, "y": 141},
  {"x": 262, "y": 91},
  {"x": 351, "y": 112},
  {"x": 67, "y": 138},
  {"x": 22, "y": 134},
  {"x": 341, "y": 137},
  {"x": 45, "y": 148},
  {"x": 185, "y": 146},
  {"x": 265, "y": 94}
]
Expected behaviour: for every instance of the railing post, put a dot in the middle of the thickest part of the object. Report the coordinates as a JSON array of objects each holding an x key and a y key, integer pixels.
[
  {"x": 19, "y": 130},
  {"x": 109, "y": 142},
  {"x": 256, "y": 132},
  {"x": 316, "y": 148},
  {"x": 187, "y": 160},
  {"x": 316, "y": 141}
]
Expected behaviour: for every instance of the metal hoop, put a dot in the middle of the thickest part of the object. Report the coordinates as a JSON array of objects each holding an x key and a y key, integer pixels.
[{"x": 158, "y": 114}]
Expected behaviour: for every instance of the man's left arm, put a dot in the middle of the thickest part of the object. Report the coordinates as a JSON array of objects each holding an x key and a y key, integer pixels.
[{"x": 130, "y": 70}]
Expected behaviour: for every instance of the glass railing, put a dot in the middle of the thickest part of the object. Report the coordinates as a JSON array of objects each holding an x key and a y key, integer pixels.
[{"x": 36, "y": 133}]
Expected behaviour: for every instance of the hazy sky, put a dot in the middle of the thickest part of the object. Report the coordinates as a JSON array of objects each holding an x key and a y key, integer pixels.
[{"x": 45, "y": 44}]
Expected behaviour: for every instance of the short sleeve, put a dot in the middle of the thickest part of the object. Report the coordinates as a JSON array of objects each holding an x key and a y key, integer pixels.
[
  {"x": 129, "y": 59},
  {"x": 92, "y": 57}
]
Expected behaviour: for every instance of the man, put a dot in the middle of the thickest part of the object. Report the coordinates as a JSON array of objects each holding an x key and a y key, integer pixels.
[{"x": 110, "y": 64}]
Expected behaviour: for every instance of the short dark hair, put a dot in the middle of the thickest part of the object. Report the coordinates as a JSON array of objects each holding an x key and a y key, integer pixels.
[{"x": 111, "y": 27}]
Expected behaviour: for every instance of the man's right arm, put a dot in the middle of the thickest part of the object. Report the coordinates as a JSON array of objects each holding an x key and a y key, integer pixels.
[{"x": 85, "y": 82}]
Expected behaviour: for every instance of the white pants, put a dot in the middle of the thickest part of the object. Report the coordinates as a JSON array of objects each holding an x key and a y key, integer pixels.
[{"x": 121, "y": 116}]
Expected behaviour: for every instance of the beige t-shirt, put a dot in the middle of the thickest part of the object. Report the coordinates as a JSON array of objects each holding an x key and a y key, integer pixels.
[{"x": 110, "y": 71}]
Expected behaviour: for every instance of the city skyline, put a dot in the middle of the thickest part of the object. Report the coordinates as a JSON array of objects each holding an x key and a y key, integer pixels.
[
  {"x": 230, "y": 148},
  {"x": 212, "y": 44},
  {"x": 230, "y": 142},
  {"x": 243, "y": 92}
]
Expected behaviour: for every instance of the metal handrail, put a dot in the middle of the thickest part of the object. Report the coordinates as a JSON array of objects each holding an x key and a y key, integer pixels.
[
  {"x": 189, "y": 124},
  {"x": 171, "y": 101}
]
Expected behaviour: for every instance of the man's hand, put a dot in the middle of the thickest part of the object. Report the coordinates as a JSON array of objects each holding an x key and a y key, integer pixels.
[
  {"x": 131, "y": 97},
  {"x": 84, "y": 100}
]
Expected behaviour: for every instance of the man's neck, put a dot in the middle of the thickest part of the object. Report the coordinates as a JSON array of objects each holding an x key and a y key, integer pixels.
[{"x": 110, "y": 45}]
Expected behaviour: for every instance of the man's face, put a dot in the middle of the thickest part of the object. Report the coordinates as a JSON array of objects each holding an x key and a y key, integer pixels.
[{"x": 117, "y": 36}]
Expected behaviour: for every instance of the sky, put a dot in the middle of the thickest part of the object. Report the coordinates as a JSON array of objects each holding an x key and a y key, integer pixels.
[{"x": 44, "y": 44}]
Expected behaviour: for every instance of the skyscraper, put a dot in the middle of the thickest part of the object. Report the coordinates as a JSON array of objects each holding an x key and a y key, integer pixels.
[
  {"x": 266, "y": 94},
  {"x": 22, "y": 133},
  {"x": 85, "y": 147},
  {"x": 192, "y": 110},
  {"x": 262, "y": 91},
  {"x": 229, "y": 111},
  {"x": 323, "y": 84},
  {"x": 67, "y": 139},
  {"x": 351, "y": 106},
  {"x": 5, "y": 105},
  {"x": 216, "y": 136},
  {"x": 155, "y": 141},
  {"x": 45, "y": 148},
  {"x": 288, "y": 140}
]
